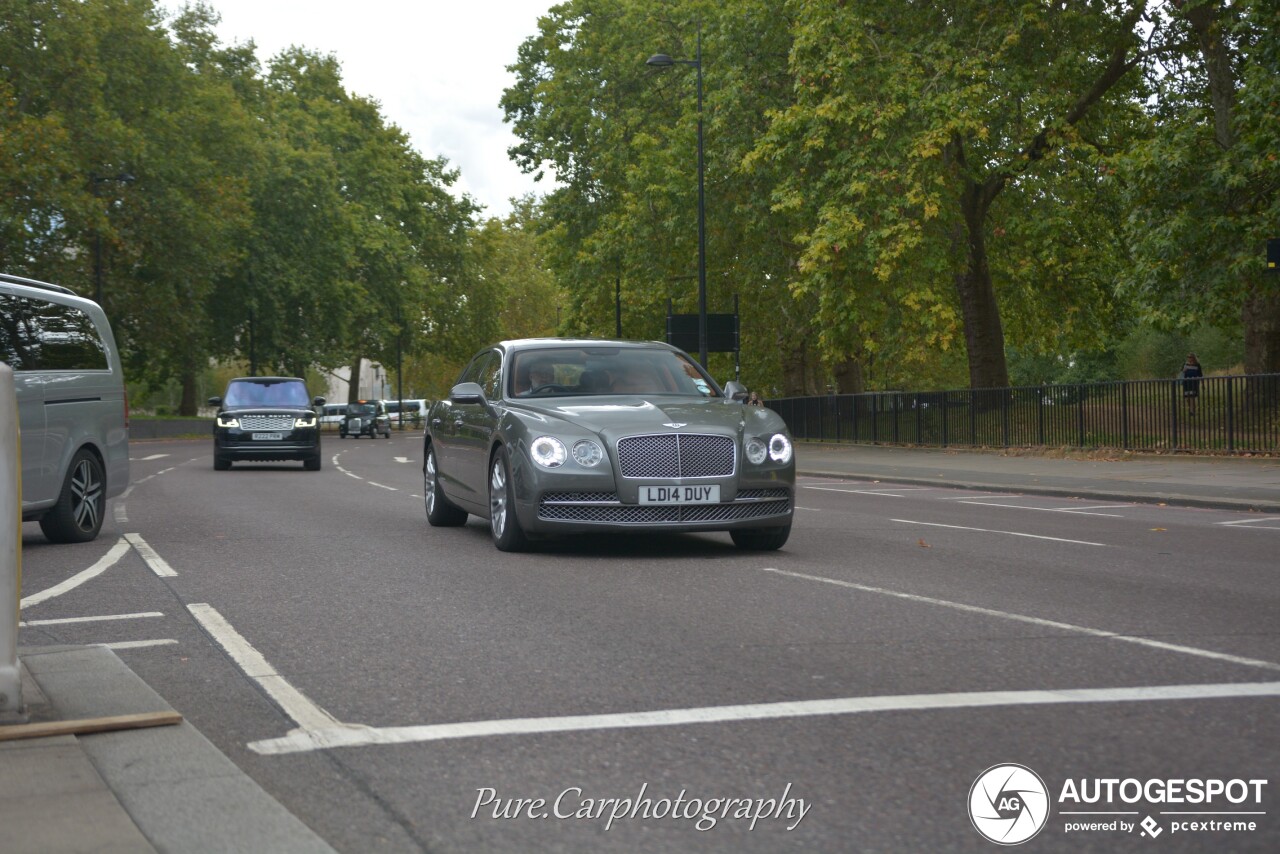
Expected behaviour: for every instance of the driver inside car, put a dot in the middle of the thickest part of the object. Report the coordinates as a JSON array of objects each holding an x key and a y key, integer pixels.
[{"x": 539, "y": 374}]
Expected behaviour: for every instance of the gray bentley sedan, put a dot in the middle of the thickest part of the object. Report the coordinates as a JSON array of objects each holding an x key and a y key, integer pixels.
[{"x": 558, "y": 436}]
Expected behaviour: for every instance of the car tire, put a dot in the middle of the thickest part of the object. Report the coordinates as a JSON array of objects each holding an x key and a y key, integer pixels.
[
  {"x": 504, "y": 527},
  {"x": 312, "y": 463},
  {"x": 77, "y": 517},
  {"x": 440, "y": 513},
  {"x": 342, "y": 434},
  {"x": 761, "y": 539},
  {"x": 220, "y": 464}
]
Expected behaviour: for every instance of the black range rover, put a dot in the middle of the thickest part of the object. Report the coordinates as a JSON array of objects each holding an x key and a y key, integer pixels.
[{"x": 266, "y": 418}]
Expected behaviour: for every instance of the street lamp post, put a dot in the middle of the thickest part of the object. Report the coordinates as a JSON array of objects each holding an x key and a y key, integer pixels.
[{"x": 661, "y": 60}]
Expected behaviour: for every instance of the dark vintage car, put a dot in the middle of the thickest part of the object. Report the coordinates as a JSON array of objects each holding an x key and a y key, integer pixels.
[
  {"x": 550, "y": 436},
  {"x": 266, "y": 418},
  {"x": 365, "y": 418}
]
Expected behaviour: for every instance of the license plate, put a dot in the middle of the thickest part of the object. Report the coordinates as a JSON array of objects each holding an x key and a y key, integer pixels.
[
  {"x": 269, "y": 437},
  {"x": 680, "y": 494}
]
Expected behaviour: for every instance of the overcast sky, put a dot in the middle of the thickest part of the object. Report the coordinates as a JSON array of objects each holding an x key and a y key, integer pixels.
[{"x": 437, "y": 68}]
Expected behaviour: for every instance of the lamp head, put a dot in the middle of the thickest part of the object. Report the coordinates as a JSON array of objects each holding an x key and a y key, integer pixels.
[{"x": 660, "y": 60}]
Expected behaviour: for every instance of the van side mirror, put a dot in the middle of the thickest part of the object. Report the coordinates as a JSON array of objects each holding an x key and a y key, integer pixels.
[
  {"x": 735, "y": 391},
  {"x": 319, "y": 401}
]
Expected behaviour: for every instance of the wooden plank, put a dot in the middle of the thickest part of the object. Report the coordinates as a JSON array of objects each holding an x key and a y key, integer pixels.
[{"x": 89, "y": 725}]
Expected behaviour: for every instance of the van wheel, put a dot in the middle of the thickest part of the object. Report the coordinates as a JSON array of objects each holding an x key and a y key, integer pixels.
[
  {"x": 220, "y": 464},
  {"x": 312, "y": 463},
  {"x": 77, "y": 517}
]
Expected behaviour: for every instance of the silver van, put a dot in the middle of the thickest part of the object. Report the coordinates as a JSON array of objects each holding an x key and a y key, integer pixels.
[{"x": 72, "y": 412}]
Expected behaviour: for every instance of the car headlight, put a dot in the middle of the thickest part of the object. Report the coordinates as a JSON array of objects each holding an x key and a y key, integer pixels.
[
  {"x": 228, "y": 421},
  {"x": 548, "y": 452},
  {"x": 587, "y": 453},
  {"x": 757, "y": 450},
  {"x": 780, "y": 448},
  {"x": 305, "y": 421}
]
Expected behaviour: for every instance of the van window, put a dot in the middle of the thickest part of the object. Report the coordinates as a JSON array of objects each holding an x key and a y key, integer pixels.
[{"x": 36, "y": 335}]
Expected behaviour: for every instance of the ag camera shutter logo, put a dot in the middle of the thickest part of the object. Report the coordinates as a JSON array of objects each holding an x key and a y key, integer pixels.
[{"x": 1008, "y": 804}]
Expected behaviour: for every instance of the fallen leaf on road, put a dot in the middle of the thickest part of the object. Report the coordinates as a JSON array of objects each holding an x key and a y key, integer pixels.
[
  {"x": 1159, "y": 529},
  {"x": 923, "y": 544}
]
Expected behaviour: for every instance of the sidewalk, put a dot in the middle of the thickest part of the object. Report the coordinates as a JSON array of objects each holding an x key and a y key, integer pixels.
[
  {"x": 1230, "y": 483},
  {"x": 144, "y": 790},
  {"x": 169, "y": 789}
]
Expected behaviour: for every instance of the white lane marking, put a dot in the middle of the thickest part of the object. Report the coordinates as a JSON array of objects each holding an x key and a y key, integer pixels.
[
  {"x": 1035, "y": 621},
  {"x": 380, "y": 486},
  {"x": 144, "y": 459},
  {"x": 349, "y": 474},
  {"x": 989, "y": 531},
  {"x": 887, "y": 492},
  {"x": 137, "y": 644},
  {"x": 293, "y": 702},
  {"x": 122, "y": 518},
  {"x": 1100, "y": 507},
  {"x": 1254, "y": 523},
  {"x": 61, "y": 620},
  {"x": 969, "y": 496},
  {"x": 298, "y": 742},
  {"x": 158, "y": 564},
  {"x": 402, "y": 459},
  {"x": 119, "y": 550},
  {"x": 1044, "y": 509},
  {"x": 808, "y": 509}
]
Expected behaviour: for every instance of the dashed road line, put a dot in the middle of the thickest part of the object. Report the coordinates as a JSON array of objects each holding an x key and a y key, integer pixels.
[
  {"x": 63, "y": 620},
  {"x": 145, "y": 459},
  {"x": 1035, "y": 621},
  {"x": 138, "y": 644},
  {"x": 1007, "y": 533},
  {"x": 381, "y": 486}
]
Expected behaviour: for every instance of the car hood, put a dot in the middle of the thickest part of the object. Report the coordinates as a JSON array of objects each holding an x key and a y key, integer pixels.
[{"x": 613, "y": 417}]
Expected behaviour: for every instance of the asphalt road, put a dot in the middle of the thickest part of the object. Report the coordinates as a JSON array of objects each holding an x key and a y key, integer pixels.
[{"x": 905, "y": 640}]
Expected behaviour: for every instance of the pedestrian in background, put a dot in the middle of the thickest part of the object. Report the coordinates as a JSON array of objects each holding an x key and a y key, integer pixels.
[
  {"x": 755, "y": 400},
  {"x": 1190, "y": 375}
]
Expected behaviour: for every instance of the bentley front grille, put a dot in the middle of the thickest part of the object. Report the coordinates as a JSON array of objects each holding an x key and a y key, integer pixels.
[{"x": 672, "y": 455}]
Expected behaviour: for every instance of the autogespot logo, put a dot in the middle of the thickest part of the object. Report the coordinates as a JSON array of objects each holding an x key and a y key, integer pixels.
[{"x": 1008, "y": 804}]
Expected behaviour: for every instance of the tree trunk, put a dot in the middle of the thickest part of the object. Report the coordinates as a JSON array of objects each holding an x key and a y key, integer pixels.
[
  {"x": 188, "y": 405},
  {"x": 353, "y": 387},
  {"x": 1261, "y": 320},
  {"x": 983, "y": 332},
  {"x": 848, "y": 376},
  {"x": 793, "y": 359}
]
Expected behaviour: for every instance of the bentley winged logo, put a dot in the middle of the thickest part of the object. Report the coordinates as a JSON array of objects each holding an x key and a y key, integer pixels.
[{"x": 674, "y": 425}]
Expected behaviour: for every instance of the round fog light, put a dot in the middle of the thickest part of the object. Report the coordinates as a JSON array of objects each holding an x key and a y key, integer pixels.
[{"x": 587, "y": 453}]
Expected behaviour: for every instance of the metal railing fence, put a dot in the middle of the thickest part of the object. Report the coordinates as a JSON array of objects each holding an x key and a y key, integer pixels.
[{"x": 1236, "y": 414}]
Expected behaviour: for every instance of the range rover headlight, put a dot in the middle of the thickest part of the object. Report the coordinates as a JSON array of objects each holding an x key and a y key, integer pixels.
[
  {"x": 228, "y": 421},
  {"x": 780, "y": 448},
  {"x": 757, "y": 450},
  {"x": 587, "y": 453},
  {"x": 305, "y": 421},
  {"x": 548, "y": 452}
]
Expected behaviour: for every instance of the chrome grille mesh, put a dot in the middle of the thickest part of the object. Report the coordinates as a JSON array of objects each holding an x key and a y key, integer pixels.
[
  {"x": 635, "y": 514},
  {"x": 676, "y": 455},
  {"x": 266, "y": 422}
]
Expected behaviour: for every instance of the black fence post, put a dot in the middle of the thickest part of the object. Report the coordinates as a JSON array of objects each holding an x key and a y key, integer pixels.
[
  {"x": 1040, "y": 415},
  {"x": 1080, "y": 412},
  {"x": 875, "y": 419},
  {"x": 944, "y": 419},
  {"x": 1173, "y": 415},
  {"x": 1124, "y": 415},
  {"x": 1231, "y": 415}
]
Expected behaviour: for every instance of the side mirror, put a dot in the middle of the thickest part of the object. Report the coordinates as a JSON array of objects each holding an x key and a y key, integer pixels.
[
  {"x": 215, "y": 401},
  {"x": 466, "y": 393},
  {"x": 735, "y": 391},
  {"x": 317, "y": 401}
]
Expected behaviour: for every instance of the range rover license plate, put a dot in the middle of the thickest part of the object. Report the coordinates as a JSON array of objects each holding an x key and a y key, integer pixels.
[
  {"x": 680, "y": 494},
  {"x": 269, "y": 437}
]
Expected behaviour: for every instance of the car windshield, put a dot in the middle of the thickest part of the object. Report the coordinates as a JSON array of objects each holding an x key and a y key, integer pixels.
[
  {"x": 266, "y": 393},
  {"x": 607, "y": 370},
  {"x": 360, "y": 409}
]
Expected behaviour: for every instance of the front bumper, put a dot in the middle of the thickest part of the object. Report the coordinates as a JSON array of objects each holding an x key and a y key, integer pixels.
[{"x": 300, "y": 443}]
